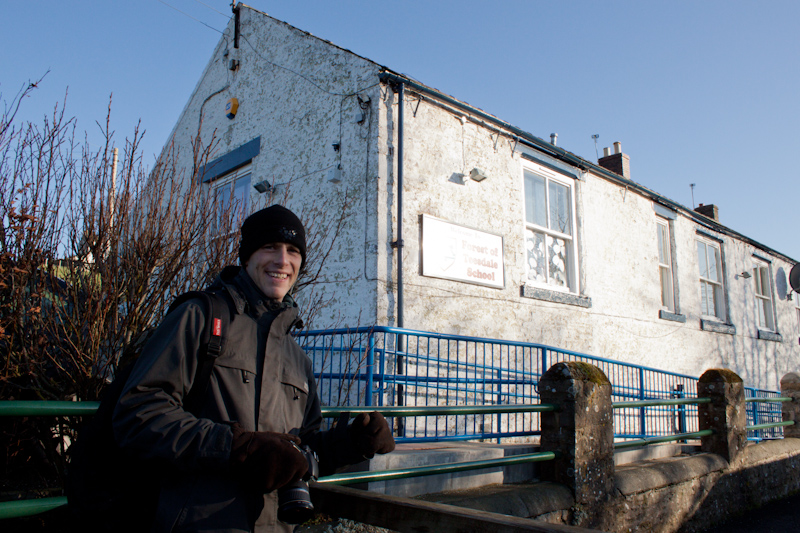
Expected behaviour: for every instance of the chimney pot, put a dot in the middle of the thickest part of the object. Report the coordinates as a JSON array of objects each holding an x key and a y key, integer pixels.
[
  {"x": 553, "y": 138},
  {"x": 617, "y": 162},
  {"x": 711, "y": 211}
]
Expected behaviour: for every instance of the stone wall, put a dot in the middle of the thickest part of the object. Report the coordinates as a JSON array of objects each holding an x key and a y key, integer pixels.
[{"x": 678, "y": 494}]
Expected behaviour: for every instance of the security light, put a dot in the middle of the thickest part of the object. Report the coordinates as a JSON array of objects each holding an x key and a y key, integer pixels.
[
  {"x": 263, "y": 186},
  {"x": 477, "y": 174}
]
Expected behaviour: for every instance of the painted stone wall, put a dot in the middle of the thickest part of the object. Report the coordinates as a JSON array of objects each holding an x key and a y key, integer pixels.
[
  {"x": 314, "y": 107},
  {"x": 618, "y": 262}
]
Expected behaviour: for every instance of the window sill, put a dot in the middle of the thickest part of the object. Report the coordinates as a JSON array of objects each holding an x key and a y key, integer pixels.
[
  {"x": 769, "y": 336},
  {"x": 558, "y": 297},
  {"x": 717, "y": 327},
  {"x": 666, "y": 315}
]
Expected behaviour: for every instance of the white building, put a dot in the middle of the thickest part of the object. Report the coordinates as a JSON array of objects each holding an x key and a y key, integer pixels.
[{"x": 458, "y": 222}]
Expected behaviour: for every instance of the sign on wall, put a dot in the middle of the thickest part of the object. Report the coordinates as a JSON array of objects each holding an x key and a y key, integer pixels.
[{"x": 454, "y": 252}]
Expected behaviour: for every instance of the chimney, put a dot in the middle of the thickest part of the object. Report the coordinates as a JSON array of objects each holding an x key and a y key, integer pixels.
[
  {"x": 553, "y": 138},
  {"x": 709, "y": 211},
  {"x": 617, "y": 162}
]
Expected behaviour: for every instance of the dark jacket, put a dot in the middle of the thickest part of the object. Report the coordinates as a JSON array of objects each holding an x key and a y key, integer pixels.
[{"x": 262, "y": 380}]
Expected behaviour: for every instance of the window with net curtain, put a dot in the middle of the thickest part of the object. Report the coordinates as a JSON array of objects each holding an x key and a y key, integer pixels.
[
  {"x": 549, "y": 232},
  {"x": 709, "y": 258}
]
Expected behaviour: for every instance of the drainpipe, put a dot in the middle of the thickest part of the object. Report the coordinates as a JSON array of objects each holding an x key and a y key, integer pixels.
[
  {"x": 236, "y": 26},
  {"x": 399, "y": 242}
]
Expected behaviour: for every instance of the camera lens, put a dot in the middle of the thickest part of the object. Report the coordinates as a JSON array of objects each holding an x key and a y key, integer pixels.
[{"x": 294, "y": 503}]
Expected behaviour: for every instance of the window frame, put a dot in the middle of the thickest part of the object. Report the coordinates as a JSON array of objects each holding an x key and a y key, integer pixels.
[
  {"x": 572, "y": 267},
  {"x": 797, "y": 311},
  {"x": 230, "y": 180},
  {"x": 762, "y": 274},
  {"x": 721, "y": 309},
  {"x": 667, "y": 267}
]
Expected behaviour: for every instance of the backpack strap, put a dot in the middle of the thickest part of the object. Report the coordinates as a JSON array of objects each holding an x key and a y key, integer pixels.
[{"x": 218, "y": 319}]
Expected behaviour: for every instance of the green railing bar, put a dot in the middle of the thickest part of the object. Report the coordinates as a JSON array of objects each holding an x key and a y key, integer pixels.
[
  {"x": 431, "y": 470},
  {"x": 659, "y": 403},
  {"x": 767, "y": 400},
  {"x": 655, "y": 440},
  {"x": 332, "y": 412},
  {"x": 64, "y": 408},
  {"x": 20, "y": 508},
  {"x": 768, "y": 426},
  {"x": 47, "y": 408}
]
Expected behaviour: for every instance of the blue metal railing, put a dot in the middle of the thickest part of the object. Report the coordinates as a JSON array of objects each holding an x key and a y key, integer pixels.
[
  {"x": 763, "y": 413},
  {"x": 384, "y": 366}
]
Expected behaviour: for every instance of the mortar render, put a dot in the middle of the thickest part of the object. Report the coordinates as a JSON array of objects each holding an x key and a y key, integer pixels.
[
  {"x": 618, "y": 262},
  {"x": 299, "y": 94}
]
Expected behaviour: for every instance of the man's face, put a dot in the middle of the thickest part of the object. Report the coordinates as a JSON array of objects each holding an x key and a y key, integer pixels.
[{"x": 274, "y": 268}]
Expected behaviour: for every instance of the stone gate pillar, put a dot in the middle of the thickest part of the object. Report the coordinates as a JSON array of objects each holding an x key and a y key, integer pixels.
[
  {"x": 790, "y": 387},
  {"x": 726, "y": 415},
  {"x": 581, "y": 432}
]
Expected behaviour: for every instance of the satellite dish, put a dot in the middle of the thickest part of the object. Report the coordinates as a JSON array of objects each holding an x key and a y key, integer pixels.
[{"x": 794, "y": 278}]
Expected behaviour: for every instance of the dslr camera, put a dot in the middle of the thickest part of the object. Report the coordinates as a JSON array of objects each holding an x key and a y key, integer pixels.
[{"x": 294, "y": 500}]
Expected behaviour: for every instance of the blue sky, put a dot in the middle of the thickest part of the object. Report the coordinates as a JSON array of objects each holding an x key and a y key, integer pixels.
[{"x": 697, "y": 92}]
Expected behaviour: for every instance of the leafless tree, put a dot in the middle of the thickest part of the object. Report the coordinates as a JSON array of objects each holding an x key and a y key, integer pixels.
[{"x": 94, "y": 247}]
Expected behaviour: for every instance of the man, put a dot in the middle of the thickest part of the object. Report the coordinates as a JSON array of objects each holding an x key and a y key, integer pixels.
[{"x": 238, "y": 447}]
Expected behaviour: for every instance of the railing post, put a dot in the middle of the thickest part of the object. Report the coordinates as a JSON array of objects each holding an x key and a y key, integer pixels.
[
  {"x": 642, "y": 412},
  {"x": 581, "y": 434},
  {"x": 370, "y": 370},
  {"x": 544, "y": 360},
  {"x": 680, "y": 410},
  {"x": 726, "y": 415},
  {"x": 399, "y": 340},
  {"x": 790, "y": 388}
]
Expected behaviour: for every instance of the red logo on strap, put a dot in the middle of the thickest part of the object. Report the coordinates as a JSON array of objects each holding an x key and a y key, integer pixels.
[{"x": 217, "y": 329}]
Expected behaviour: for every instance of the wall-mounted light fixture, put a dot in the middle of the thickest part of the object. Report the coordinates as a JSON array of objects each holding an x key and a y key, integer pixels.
[
  {"x": 746, "y": 274},
  {"x": 477, "y": 174},
  {"x": 265, "y": 186}
]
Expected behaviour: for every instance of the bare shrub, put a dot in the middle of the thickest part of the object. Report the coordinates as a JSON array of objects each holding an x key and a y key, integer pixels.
[{"x": 94, "y": 247}]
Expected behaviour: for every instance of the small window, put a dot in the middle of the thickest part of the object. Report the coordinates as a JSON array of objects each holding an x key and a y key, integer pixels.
[
  {"x": 763, "y": 290},
  {"x": 665, "y": 265},
  {"x": 549, "y": 231},
  {"x": 798, "y": 315},
  {"x": 232, "y": 196},
  {"x": 712, "y": 300}
]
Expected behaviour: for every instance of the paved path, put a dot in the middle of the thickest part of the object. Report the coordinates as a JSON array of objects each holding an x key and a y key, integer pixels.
[{"x": 782, "y": 516}]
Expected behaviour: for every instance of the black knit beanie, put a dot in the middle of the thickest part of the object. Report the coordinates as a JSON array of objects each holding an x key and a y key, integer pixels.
[{"x": 272, "y": 224}]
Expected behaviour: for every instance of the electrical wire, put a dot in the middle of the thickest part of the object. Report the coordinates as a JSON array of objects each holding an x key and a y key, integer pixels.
[
  {"x": 255, "y": 50},
  {"x": 312, "y": 173},
  {"x": 213, "y": 9},
  {"x": 191, "y": 17}
]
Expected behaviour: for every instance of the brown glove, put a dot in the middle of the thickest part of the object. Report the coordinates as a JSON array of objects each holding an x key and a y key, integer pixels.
[
  {"x": 371, "y": 434},
  {"x": 265, "y": 460}
]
